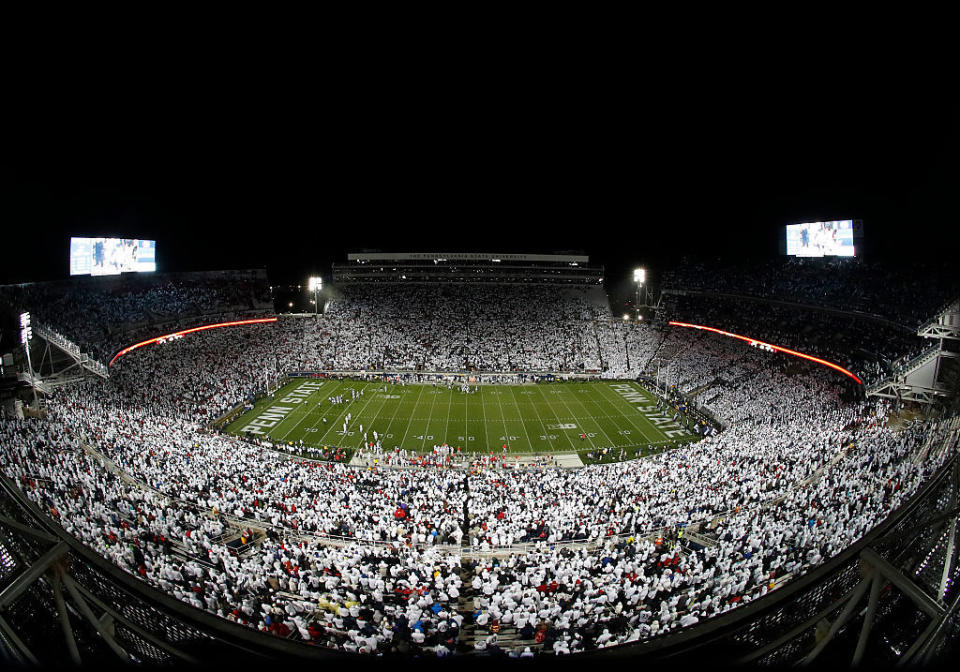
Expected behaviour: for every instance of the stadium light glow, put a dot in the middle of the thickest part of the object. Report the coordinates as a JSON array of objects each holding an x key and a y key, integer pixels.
[
  {"x": 26, "y": 331},
  {"x": 314, "y": 284},
  {"x": 639, "y": 276},
  {"x": 769, "y": 346},
  {"x": 180, "y": 334}
]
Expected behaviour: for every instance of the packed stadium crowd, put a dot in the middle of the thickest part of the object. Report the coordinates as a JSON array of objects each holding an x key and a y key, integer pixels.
[
  {"x": 103, "y": 315},
  {"x": 376, "y": 559},
  {"x": 455, "y": 327},
  {"x": 907, "y": 295},
  {"x": 867, "y": 348}
]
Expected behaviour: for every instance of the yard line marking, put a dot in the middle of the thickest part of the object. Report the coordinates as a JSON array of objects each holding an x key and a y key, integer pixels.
[
  {"x": 600, "y": 426},
  {"x": 520, "y": 414},
  {"x": 377, "y": 412},
  {"x": 646, "y": 393},
  {"x": 320, "y": 413},
  {"x": 334, "y": 424},
  {"x": 416, "y": 403},
  {"x": 362, "y": 410},
  {"x": 394, "y": 417},
  {"x": 546, "y": 432},
  {"x": 346, "y": 407},
  {"x": 446, "y": 425},
  {"x": 629, "y": 419},
  {"x": 426, "y": 429},
  {"x": 304, "y": 412}
]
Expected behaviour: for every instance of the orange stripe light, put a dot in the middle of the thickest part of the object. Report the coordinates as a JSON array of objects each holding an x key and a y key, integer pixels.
[
  {"x": 774, "y": 348},
  {"x": 237, "y": 323}
]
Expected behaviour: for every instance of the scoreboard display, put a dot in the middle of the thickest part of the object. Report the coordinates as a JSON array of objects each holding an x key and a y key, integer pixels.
[
  {"x": 112, "y": 256},
  {"x": 821, "y": 239}
]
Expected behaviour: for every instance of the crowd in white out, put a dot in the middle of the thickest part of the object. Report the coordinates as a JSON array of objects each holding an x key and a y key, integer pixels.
[
  {"x": 585, "y": 558},
  {"x": 905, "y": 293},
  {"x": 103, "y": 315}
]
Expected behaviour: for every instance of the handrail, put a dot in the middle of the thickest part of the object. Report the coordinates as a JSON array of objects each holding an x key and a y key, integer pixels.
[
  {"x": 720, "y": 626},
  {"x": 938, "y": 314},
  {"x": 907, "y": 367}
]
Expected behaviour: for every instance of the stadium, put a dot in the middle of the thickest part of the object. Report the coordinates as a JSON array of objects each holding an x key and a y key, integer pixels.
[{"x": 476, "y": 448}]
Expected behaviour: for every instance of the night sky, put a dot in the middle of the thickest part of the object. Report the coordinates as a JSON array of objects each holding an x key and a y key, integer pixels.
[{"x": 291, "y": 176}]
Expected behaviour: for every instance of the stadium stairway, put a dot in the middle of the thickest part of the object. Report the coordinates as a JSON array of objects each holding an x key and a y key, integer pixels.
[
  {"x": 656, "y": 351},
  {"x": 507, "y": 638},
  {"x": 703, "y": 388},
  {"x": 467, "y": 604},
  {"x": 951, "y": 428}
]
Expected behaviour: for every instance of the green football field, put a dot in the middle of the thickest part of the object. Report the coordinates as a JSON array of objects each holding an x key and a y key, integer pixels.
[{"x": 533, "y": 418}]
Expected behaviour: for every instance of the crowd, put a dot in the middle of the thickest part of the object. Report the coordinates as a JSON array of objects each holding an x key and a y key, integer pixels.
[
  {"x": 438, "y": 553},
  {"x": 496, "y": 328},
  {"x": 908, "y": 295},
  {"x": 866, "y": 347},
  {"x": 102, "y": 315}
]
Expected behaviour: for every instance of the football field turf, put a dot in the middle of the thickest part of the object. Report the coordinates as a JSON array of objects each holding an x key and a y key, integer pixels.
[{"x": 532, "y": 418}]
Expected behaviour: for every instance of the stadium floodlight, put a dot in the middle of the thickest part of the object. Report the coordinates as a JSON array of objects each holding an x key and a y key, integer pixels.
[
  {"x": 315, "y": 284},
  {"x": 26, "y": 333},
  {"x": 639, "y": 277}
]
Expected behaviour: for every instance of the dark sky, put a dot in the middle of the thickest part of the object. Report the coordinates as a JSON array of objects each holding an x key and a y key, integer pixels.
[{"x": 290, "y": 174}]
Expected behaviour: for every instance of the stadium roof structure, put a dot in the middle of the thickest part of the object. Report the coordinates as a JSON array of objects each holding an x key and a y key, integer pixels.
[
  {"x": 492, "y": 267},
  {"x": 467, "y": 256}
]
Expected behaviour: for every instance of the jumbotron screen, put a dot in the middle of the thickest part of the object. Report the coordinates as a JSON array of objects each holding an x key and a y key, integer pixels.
[
  {"x": 112, "y": 256},
  {"x": 821, "y": 239}
]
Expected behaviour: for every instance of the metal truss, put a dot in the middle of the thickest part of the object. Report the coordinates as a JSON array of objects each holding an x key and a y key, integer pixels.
[
  {"x": 946, "y": 323},
  {"x": 902, "y": 579},
  {"x": 80, "y": 359}
]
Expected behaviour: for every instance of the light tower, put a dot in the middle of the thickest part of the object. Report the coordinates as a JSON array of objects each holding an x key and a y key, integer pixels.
[
  {"x": 315, "y": 284},
  {"x": 26, "y": 334},
  {"x": 639, "y": 278}
]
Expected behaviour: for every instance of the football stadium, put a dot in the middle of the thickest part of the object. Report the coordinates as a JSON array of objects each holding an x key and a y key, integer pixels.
[{"x": 330, "y": 443}]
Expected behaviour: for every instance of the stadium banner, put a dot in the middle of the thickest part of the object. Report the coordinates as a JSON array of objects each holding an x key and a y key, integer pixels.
[
  {"x": 756, "y": 343},
  {"x": 168, "y": 338}
]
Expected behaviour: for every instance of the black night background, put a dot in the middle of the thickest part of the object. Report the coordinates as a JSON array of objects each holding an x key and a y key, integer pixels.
[{"x": 631, "y": 175}]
